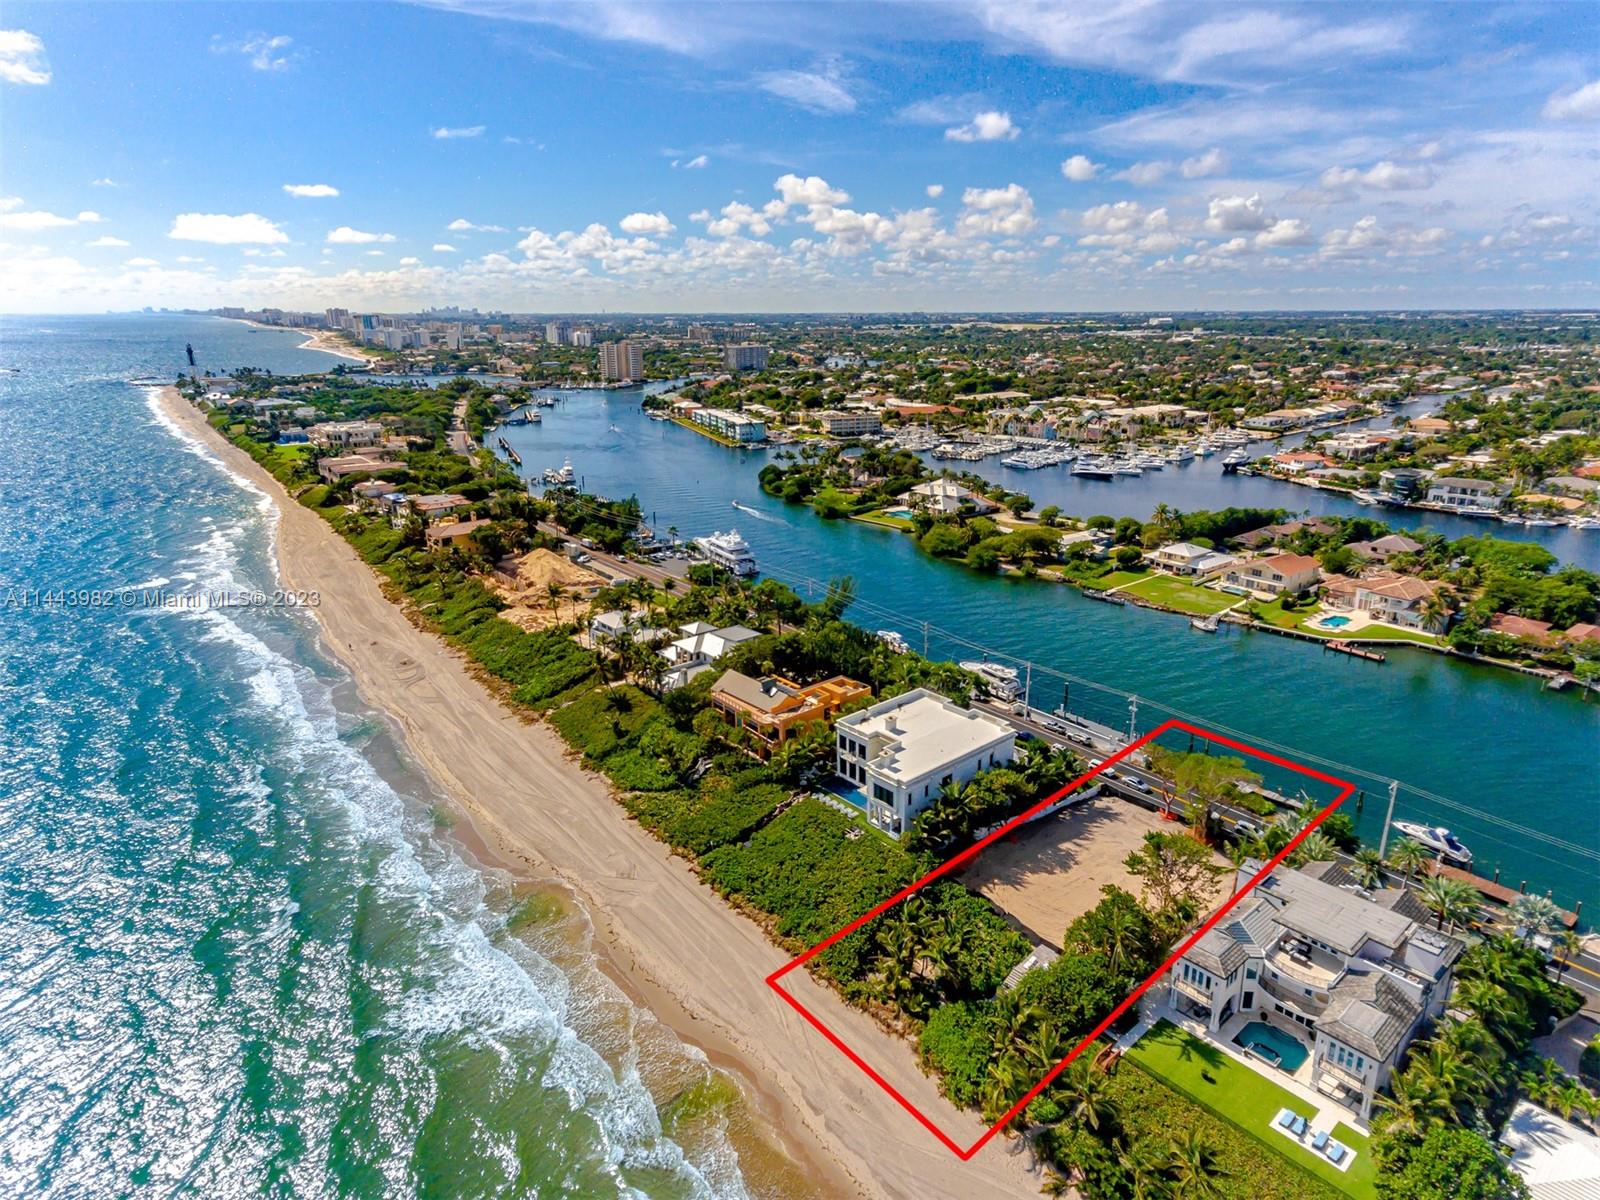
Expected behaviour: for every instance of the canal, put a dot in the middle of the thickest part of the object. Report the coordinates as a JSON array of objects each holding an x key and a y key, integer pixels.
[{"x": 1489, "y": 753}]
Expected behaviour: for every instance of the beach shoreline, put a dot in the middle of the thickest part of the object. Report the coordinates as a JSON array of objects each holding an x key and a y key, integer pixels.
[
  {"x": 666, "y": 939},
  {"x": 324, "y": 341}
]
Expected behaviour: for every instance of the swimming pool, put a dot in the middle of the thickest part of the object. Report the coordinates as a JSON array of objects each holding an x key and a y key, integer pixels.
[
  {"x": 1334, "y": 622},
  {"x": 1272, "y": 1045}
]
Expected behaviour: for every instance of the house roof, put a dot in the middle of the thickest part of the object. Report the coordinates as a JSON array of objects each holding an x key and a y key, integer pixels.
[
  {"x": 1556, "y": 1159},
  {"x": 1401, "y": 587},
  {"x": 763, "y": 695},
  {"x": 922, "y": 731},
  {"x": 1368, "y": 1012},
  {"x": 1514, "y": 626},
  {"x": 1582, "y": 632}
]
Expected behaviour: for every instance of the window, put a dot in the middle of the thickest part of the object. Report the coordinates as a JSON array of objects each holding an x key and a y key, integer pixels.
[
  {"x": 1196, "y": 976},
  {"x": 879, "y": 792},
  {"x": 1249, "y": 972}
]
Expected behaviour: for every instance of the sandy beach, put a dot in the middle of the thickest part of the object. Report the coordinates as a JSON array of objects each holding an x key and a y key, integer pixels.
[
  {"x": 696, "y": 964},
  {"x": 324, "y": 340}
]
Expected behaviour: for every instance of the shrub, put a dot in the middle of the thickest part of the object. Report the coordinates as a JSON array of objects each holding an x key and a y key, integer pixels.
[{"x": 955, "y": 1044}]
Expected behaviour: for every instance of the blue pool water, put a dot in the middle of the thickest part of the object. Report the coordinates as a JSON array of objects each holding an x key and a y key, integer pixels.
[
  {"x": 1334, "y": 622},
  {"x": 1273, "y": 1043}
]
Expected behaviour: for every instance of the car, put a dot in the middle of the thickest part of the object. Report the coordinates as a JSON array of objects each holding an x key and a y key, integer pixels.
[
  {"x": 1053, "y": 725},
  {"x": 580, "y": 559},
  {"x": 1139, "y": 783}
]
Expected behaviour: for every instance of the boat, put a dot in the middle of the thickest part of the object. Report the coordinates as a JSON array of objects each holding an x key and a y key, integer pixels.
[
  {"x": 1002, "y": 682},
  {"x": 1438, "y": 839},
  {"x": 612, "y": 429},
  {"x": 1181, "y": 454},
  {"x": 1234, "y": 459},
  {"x": 563, "y": 477},
  {"x": 1091, "y": 466},
  {"x": 893, "y": 640},
  {"x": 1125, "y": 466},
  {"x": 1540, "y": 522},
  {"x": 1206, "y": 624},
  {"x": 728, "y": 551},
  {"x": 1366, "y": 496}
]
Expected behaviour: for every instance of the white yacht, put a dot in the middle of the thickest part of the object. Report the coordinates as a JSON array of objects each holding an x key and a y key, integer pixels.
[
  {"x": 1438, "y": 839},
  {"x": 893, "y": 640},
  {"x": 564, "y": 477},
  {"x": 1093, "y": 466},
  {"x": 1002, "y": 682},
  {"x": 1235, "y": 459},
  {"x": 1181, "y": 454},
  {"x": 1125, "y": 466},
  {"x": 728, "y": 551}
]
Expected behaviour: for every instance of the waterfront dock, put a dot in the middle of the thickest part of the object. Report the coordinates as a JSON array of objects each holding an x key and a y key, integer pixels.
[{"x": 1493, "y": 890}]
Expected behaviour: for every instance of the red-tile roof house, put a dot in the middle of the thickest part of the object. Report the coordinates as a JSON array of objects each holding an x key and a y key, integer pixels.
[
  {"x": 1276, "y": 574},
  {"x": 1521, "y": 627}
]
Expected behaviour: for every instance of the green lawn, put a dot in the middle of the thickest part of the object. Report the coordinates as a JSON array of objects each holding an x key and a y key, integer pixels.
[
  {"x": 1181, "y": 595},
  {"x": 1390, "y": 633},
  {"x": 878, "y": 517},
  {"x": 1117, "y": 578},
  {"x": 1274, "y": 614},
  {"x": 1227, "y": 1088}
]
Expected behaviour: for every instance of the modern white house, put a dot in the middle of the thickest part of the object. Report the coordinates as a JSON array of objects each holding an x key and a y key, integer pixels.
[
  {"x": 901, "y": 752},
  {"x": 1343, "y": 978},
  {"x": 943, "y": 496},
  {"x": 1185, "y": 558},
  {"x": 698, "y": 645},
  {"x": 1485, "y": 494}
]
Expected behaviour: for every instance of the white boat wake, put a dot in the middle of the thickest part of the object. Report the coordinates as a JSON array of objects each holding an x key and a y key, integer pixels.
[{"x": 758, "y": 514}]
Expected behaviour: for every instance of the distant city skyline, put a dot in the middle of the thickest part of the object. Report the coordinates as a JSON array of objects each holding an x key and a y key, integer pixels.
[{"x": 683, "y": 157}]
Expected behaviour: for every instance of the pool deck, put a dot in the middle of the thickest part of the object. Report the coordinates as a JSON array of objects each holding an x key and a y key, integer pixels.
[{"x": 1328, "y": 1112}]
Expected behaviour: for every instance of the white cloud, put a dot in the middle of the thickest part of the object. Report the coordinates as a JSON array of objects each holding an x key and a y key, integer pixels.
[
  {"x": 222, "y": 230},
  {"x": 1286, "y": 231},
  {"x": 346, "y": 236},
  {"x": 374, "y": 253},
  {"x": 1144, "y": 173},
  {"x": 1232, "y": 214},
  {"x": 650, "y": 224},
  {"x": 188, "y": 258},
  {"x": 821, "y": 91},
  {"x": 104, "y": 181},
  {"x": 443, "y": 248},
  {"x": 1386, "y": 176},
  {"x": 446, "y": 133},
  {"x": 1079, "y": 168},
  {"x": 1580, "y": 104},
  {"x": 22, "y": 58},
  {"x": 1122, "y": 217},
  {"x": 462, "y": 225},
  {"x": 410, "y": 262},
  {"x": 142, "y": 262},
  {"x": 934, "y": 190},
  {"x": 1212, "y": 162},
  {"x": 1006, "y": 211},
  {"x": 106, "y": 240},
  {"x": 8, "y": 203},
  {"x": 810, "y": 190},
  {"x": 698, "y": 163},
  {"x": 263, "y": 52},
  {"x": 1367, "y": 237},
  {"x": 37, "y": 220},
  {"x": 310, "y": 191},
  {"x": 985, "y": 127}
]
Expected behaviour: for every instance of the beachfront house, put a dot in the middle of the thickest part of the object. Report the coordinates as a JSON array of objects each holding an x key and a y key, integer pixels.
[
  {"x": 1345, "y": 979},
  {"x": 1274, "y": 575},
  {"x": 345, "y": 435},
  {"x": 1185, "y": 558},
  {"x": 772, "y": 708},
  {"x": 698, "y": 645},
  {"x": 901, "y": 753},
  {"x": 452, "y": 533},
  {"x": 332, "y": 470},
  {"x": 432, "y": 507},
  {"x": 1481, "y": 494}
]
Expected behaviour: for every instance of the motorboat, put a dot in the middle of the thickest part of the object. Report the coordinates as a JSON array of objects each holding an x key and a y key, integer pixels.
[
  {"x": 1126, "y": 466},
  {"x": 564, "y": 477},
  {"x": 1439, "y": 840},
  {"x": 893, "y": 640},
  {"x": 728, "y": 551},
  {"x": 1091, "y": 466},
  {"x": 1235, "y": 459},
  {"x": 1366, "y": 496},
  {"x": 1002, "y": 682}
]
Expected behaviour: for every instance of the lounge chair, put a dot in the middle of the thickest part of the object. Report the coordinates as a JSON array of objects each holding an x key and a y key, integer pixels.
[
  {"x": 1285, "y": 1117},
  {"x": 1319, "y": 1139},
  {"x": 1299, "y": 1126},
  {"x": 1335, "y": 1153}
]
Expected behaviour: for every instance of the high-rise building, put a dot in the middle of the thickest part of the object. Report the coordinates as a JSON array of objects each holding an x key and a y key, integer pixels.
[
  {"x": 558, "y": 333},
  {"x": 621, "y": 360},
  {"x": 583, "y": 337},
  {"x": 747, "y": 356},
  {"x": 336, "y": 317}
]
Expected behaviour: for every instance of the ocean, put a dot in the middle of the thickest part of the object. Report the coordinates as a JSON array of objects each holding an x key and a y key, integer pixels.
[{"x": 246, "y": 953}]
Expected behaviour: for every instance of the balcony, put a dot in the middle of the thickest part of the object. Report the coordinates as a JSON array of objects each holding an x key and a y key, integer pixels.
[
  {"x": 1296, "y": 999},
  {"x": 1191, "y": 990},
  {"x": 1313, "y": 967}
]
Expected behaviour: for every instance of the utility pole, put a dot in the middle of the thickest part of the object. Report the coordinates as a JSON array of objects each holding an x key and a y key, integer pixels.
[
  {"x": 1133, "y": 716},
  {"x": 924, "y": 639},
  {"x": 1383, "y": 838},
  {"x": 1027, "y": 686}
]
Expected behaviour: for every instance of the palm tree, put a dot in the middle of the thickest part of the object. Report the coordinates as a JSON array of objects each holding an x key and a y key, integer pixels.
[
  {"x": 1409, "y": 857},
  {"x": 1194, "y": 1167},
  {"x": 1145, "y": 1162},
  {"x": 1084, "y": 1094},
  {"x": 1536, "y": 914},
  {"x": 1414, "y": 1104},
  {"x": 1449, "y": 900},
  {"x": 1368, "y": 867},
  {"x": 1570, "y": 944},
  {"x": 1487, "y": 999},
  {"x": 1006, "y": 1080},
  {"x": 554, "y": 592},
  {"x": 1318, "y": 847}
]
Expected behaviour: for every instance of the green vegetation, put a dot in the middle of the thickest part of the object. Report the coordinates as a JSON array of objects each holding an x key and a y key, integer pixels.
[
  {"x": 1227, "y": 1088},
  {"x": 1181, "y": 595}
]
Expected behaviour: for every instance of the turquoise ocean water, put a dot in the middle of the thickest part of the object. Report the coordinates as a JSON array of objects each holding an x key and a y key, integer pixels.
[{"x": 242, "y": 955}]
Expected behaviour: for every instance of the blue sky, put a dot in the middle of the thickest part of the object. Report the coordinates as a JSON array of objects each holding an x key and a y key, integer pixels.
[{"x": 674, "y": 157}]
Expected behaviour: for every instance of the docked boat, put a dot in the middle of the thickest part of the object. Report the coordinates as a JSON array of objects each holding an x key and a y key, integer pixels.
[
  {"x": 1206, "y": 624},
  {"x": 1181, "y": 454},
  {"x": 1126, "y": 466},
  {"x": 728, "y": 551},
  {"x": 893, "y": 640},
  {"x": 1002, "y": 682},
  {"x": 1438, "y": 839},
  {"x": 1366, "y": 496},
  {"x": 1234, "y": 459},
  {"x": 1091, "y": 466},
  {"x": 564, "y": 477}
]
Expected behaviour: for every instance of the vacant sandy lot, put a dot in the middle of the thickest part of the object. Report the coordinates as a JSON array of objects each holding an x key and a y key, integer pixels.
[
  {"x": 1052, "y": 871},
  {"x": 529, "y": 597}
]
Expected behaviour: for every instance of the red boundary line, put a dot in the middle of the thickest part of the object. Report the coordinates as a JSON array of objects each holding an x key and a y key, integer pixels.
[{"x": 967, "y": 1152}]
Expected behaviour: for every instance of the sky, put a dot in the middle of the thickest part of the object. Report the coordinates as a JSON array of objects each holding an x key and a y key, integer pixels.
[{"x": 1012, "y": 155}]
